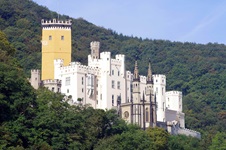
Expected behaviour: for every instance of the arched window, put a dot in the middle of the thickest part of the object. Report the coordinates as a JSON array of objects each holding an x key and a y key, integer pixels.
[{"x": 147, "y": 115}]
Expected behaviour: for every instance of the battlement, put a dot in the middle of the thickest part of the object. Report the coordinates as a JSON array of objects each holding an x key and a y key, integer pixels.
[
  {"x": 78, "y": 67},
  {"x": 159, "y": 76},
  {"x": 143, "y": 79},
  {"x": 159, "y": 79},
  {"x": 174, "y": 93},
  {"x": 35, "y": 71},
  {"x": 95, "y": 44},
  {"x": 47, "y": 24},
  {"x": 104, "y": 54},
  {"x": 49, "y": 81},
  {"x": 189, "y": 132}
]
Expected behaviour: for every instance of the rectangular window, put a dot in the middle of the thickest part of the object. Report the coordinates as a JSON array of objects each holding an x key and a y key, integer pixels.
[
  {"x": 50, "y": 37},
  {"x": 162, "y": 91},
  {"x": 112, "y": 100},
  {"x": 67, "y": 81},
  {"x": 112, "y": 72},
  {"x": 118, "y": 84},
  {"x": 53, "y": 89},
  {"x": 156, "y": 90},
  {"x": 67, "y": 90},
  {"x": 163, "y": 106},
  {"x": 118, "y": 73},
  {"x": 62, "y": 38},
  {"x": 113, "y": 84},
  {"x": 82, "y": 80}
]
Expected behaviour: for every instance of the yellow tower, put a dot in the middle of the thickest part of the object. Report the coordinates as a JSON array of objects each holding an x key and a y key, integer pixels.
[{"x": 56, "y": 43}]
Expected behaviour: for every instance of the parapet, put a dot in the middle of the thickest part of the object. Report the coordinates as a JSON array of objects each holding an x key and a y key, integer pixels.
[
  {"x": 174, "y": 93},
  {"x": 56, "y": 23},
  {"x": 49, "y": 81},
  {"x": 95, "y": 44},
  {"x": 35, "y": 71}
]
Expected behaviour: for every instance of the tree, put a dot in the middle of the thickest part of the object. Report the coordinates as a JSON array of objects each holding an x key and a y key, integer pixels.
[
  {"x": 218, "y": 141},
  {"x": 159, "y": 138},
  {"x": 129, "y": 140}
]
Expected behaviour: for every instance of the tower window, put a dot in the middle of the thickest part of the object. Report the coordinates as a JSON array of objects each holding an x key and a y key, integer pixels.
[
  {"x": 50, "y": 37},
  {"x": 113, "y": 84},
  {"x": 118, "y": 73},
  {"x": 112, "y": 72},
  {"x": 62, "y": 37},
  {"x": 147, "y": 115},
  {"x": 112, "y": 100},
  {"x": 67, "y": 82},
  {"x": 118, "y": 84}
]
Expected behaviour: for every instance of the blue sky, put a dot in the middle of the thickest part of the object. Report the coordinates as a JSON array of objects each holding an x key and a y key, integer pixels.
[{"x": 199, "y": 21}]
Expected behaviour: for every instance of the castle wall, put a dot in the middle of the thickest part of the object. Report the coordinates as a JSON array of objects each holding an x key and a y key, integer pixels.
[
  {"x": 174, "y": 100},
  {"x": 160, "y": 90}
]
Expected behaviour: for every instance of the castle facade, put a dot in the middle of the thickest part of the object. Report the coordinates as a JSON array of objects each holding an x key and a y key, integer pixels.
[{"x": 105, "y": 84}]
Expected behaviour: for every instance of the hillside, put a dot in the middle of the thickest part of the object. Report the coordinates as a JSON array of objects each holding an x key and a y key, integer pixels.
[{"x": 198, "y": 70}]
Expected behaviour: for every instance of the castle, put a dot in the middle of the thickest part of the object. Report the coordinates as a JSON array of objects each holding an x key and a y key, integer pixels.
[{"x": 105, "y": 84}]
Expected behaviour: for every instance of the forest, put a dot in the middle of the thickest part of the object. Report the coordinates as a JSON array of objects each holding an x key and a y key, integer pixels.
[{"x": 31, "y": 119}]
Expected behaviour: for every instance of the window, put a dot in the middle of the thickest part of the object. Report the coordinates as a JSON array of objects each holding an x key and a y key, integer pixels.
[
  {"x": 112, "y": 72},
  {"x": 82, "y": 90},
  {"x": 147, "y": 115},
  {"x": 118, "y": 84},
  {"x": 126, "y": 114},
  {"x": 100, "y": 96},
  {"x": 67, "y": 90},
  {"x": 156, "y": 90},
  {"x": 53, "y": 89},
  {"x": 163, "y": 106},
  {"x": 162, "y": 91},
  {"x": 113, "y": 84},
  {"x": 50, "y": 37},
  {"x": 58, "y": 89},
  {"x": 67, "y": 82},
  {"x": 82, "y": 80},
  {"x": 112, "y": 100},
  {"x": 118, "y": 73},
  {"x": 62, "y": 37}
]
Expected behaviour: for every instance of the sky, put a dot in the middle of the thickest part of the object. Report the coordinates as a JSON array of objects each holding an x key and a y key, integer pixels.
[{"x": 197, "y": 21}]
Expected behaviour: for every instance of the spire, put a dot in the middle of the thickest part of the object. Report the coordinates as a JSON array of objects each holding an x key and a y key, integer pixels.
[
  {"x": 136, "y": 71},
  {"x": 149, "y": 76}
]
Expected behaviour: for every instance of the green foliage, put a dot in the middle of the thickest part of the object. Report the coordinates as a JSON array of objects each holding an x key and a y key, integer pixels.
[
  {"x": 218, "y": 141},
  {"x": 182, "y": 142},
  {"x": 130, "y": 140},
  {"x": 159, "y": 138}
]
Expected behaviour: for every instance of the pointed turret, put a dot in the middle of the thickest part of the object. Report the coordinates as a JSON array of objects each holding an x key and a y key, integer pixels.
[
  {"x": 136, "y": 72},
  {"x": 149, "y": 76},
  {"x": 136, "y": 84}
]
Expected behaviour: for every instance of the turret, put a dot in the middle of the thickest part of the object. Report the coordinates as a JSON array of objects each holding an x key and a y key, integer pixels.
[
  {"x": 136, "y": 84},
  {"x": 95, "y": 49}
]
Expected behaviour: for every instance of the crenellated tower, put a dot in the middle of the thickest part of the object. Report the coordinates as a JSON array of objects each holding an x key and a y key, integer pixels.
[
  {"x": 95, "y": 49},
  {"x": 56, "y": 43}
]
